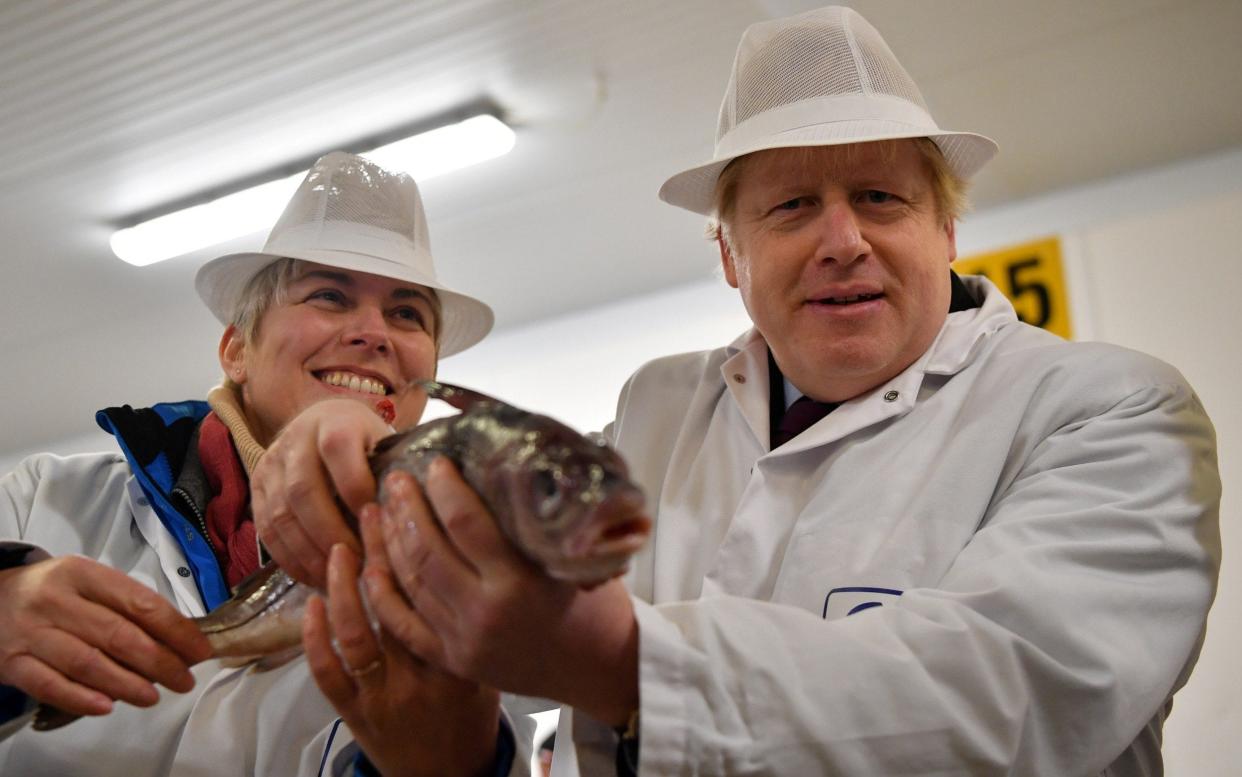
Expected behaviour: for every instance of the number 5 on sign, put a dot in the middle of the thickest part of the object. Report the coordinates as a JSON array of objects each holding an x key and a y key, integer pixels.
[{"x": 1031, "y": 276}]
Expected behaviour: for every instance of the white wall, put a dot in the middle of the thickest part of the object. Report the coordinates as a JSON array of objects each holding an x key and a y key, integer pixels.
[
  {"x": 1168, "y": 283},
  {"x": 1154, "y": 264}
]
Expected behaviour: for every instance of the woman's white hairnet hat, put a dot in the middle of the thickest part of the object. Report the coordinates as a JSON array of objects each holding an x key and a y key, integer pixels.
[
  {"x": 353, "y": 214},
  {"x": 821, "y": 78}
]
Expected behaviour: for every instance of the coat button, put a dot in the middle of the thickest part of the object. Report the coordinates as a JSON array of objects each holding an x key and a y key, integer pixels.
[
  {"x": 183, "y": 571},
  {"x": 891, "y": 396}
]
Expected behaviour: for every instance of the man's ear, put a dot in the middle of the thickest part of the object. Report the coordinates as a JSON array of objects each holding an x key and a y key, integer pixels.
[
  {"x": 726, "y": 258},
  {"x": 951, "y": 234},
  {"x": 233, "y": 354}
]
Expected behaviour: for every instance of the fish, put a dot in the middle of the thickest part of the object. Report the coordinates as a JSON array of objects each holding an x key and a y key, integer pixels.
[{"x": 564, "y": 499}]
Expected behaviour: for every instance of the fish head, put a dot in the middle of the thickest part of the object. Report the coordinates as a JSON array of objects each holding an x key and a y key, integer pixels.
[{"x": 567, "y": 500}]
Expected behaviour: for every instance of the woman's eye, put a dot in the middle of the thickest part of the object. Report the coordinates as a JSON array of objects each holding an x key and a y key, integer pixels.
[
  {"x": 409, "y": 315},
  {"x": 328, "y": 295}
]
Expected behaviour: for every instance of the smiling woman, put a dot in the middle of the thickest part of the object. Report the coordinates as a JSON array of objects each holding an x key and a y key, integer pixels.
[
  {"x": 332, "y": 333},
  {"x": 105, "y": 557}
]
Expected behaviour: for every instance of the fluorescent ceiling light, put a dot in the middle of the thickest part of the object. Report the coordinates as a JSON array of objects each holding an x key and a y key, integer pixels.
[{"x": 423, "y": 156}]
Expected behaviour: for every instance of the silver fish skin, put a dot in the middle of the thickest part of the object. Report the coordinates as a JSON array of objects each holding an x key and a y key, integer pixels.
[
  {"x": 263, "y": 617},
  {"x": 563, "y": 499}
]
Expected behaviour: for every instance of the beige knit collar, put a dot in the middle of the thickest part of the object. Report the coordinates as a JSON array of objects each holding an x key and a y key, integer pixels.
[{"x": 226, "y": 404}]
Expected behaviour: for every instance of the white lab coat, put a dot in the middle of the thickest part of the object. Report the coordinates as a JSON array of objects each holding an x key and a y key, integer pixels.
[
  {"x": 998, "y": 562},
  {"x": 235, "y": 722}
]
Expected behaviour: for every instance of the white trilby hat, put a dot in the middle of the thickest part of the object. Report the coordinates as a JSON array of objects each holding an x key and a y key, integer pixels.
[
  {"x": 821, "y": 78},
  {"x": 353, "y": 214}
]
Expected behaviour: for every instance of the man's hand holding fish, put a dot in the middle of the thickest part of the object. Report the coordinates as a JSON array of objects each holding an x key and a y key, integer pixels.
[{"x": 481, "y": 610}]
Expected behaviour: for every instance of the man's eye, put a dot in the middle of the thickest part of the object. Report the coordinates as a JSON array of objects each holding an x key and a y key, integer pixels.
[
  {"x": 877, "y": 197},
  {"x": 794, "y": 204}
]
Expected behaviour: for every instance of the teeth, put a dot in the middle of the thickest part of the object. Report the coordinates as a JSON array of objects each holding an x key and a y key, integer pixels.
[{"x": 354, "y": 382}]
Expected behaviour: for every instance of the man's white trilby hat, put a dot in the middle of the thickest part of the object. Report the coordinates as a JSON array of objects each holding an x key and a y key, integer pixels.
[
  {"x": 821, "y": 78},
  {"x": 353, "y": 214}
]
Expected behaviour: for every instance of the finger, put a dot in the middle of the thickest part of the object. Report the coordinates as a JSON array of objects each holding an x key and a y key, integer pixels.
[
  {"x": 278, "y": 525},
  {"x": 85, "y": 664},
  {"x": 343, "y": 450},
  {"x": 134, "y": 624},
  {"x": 403, "y": 622},
  {"x": 413, "y": 536},
  {"x": 402, "y": 550},
  {"x": 43, "y": 683},
  {"x": 308, "y": 568},
  {"x": 370, "y": 528},
  {"x": 395, "y": 614},
  {"x": 308, "y": 489},
  {"x": 413, "y": 569},
  {"x": 324, "y": 664},
  {"x": 467, "y": 522},
  {"x": 355, "y": 641},
  {"x": 410, "y": 534}
]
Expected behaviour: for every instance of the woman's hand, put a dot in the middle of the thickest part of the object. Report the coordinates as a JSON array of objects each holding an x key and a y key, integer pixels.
[
  {"x": 469, "y": 602},
  {"x": 409, "y": 717},
  {"x": 79, "y": 635},
  {"x": 321, "y": 455}
]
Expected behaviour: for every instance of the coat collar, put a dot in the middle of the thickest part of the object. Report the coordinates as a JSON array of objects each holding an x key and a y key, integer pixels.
[{"x": 746, "y": 375}]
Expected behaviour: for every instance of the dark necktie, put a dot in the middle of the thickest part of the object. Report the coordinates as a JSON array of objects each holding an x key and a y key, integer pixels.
[{"x": 803, "y": 413}]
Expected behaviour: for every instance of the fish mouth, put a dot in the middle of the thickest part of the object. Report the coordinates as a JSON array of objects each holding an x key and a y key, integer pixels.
[
  {"x": 620, "y": 527},
  {"x": 354, "y": 381}
]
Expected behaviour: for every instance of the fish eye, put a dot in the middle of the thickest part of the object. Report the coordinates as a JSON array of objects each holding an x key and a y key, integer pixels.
[{"x": 545, "y": 483}]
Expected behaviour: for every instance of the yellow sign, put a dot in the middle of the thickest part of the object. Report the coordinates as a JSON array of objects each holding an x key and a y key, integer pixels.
[{"x": 1031, "y": 276}]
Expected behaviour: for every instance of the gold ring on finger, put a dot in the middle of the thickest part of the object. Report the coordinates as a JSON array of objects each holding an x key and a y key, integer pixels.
[{"x": 364, "y": 671}]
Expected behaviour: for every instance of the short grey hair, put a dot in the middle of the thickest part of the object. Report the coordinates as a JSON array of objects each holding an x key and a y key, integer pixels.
[{"x": 268, "y": 287}]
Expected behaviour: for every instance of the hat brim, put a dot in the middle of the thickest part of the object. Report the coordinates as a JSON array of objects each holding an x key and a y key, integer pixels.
[
  {"x": 464, "y": 320},
  {"x": 694, "y": 189}
]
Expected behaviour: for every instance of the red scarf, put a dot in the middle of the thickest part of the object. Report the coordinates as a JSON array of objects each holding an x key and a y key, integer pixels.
[{"x": 229, "y": 524}]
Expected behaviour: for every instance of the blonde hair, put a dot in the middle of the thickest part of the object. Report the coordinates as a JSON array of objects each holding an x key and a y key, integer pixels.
[
  {"x": 268, "y": 287},
  {"x": 948, "y": 188}
]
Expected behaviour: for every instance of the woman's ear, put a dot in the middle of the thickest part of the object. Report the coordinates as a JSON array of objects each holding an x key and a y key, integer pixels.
[{"x": 233, "y": 355}]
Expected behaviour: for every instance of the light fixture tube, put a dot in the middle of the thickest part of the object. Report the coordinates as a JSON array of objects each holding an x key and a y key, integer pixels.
[{"x": 423, "y": 156}]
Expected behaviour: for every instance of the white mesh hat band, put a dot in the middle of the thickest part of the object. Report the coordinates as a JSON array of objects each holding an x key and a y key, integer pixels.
[
  {"x": 824, "y": 77},
  {"x": 350, "y": 213}
]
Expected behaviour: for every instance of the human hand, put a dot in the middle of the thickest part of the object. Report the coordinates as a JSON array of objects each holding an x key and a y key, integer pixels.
[
  {"x": 409, "y": 717},
  {"x": 77, "y": 635},
  {"x": 319, "y": 456},
  {"x": 469, "y": 602}
]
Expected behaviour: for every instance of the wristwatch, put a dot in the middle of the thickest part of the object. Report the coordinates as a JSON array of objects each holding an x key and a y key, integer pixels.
[{"x": 627, "y": 747}]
